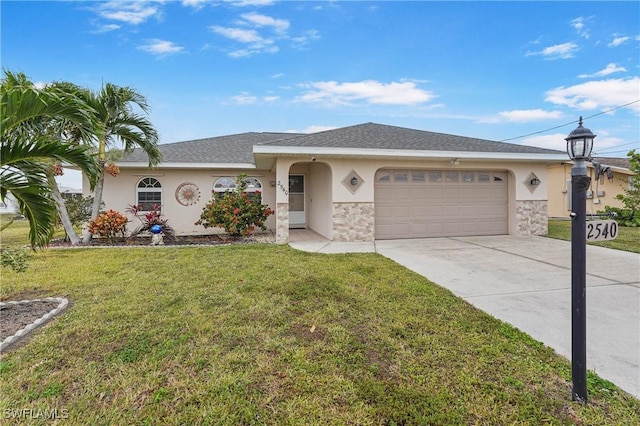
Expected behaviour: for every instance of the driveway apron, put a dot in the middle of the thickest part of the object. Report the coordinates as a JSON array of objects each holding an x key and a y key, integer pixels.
[{"x": 526, "y": 281}]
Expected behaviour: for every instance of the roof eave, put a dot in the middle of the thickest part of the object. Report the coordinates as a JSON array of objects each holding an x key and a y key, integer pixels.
[
  {"x": 404, "y": 153},
  {"x": 185, "y": 165}
]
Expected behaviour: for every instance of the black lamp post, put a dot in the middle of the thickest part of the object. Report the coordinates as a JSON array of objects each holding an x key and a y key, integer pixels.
[{"x": 579, "y": 145}]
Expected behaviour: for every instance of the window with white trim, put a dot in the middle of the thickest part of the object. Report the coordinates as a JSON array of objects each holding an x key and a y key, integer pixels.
[
  {"x": 149, "y": 193},
  {"x": 227, "y": 183}
]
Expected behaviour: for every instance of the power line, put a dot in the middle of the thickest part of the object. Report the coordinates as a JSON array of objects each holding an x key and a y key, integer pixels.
[
  {"x": 572, "y": 122},
  {"x": 618, "y": 146},
  {"x": 597, "y": 154}
]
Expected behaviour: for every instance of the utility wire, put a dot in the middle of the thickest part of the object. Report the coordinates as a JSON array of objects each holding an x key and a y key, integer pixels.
[
  {"x": 597, "y": 154},
  {"x": 600, "y": 151},
  {"x": 572, "y": 122}
]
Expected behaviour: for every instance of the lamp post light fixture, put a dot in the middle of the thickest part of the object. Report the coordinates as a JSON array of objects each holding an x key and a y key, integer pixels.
[{"x": 579, "y": 145}]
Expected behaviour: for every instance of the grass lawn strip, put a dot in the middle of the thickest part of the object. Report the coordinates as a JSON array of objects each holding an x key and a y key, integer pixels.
[
  {"x": 263, "y": 334},
  {"x": 628, "y": 238}
]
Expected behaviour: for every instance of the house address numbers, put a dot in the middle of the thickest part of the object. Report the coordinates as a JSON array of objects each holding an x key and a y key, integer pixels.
[{"x": 602, "y": 230}]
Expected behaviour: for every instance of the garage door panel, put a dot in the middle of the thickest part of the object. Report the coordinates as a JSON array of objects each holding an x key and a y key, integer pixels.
[
  {"x": 432, "y": 203},
  {"x": 434, "y": 210},
  {"x": 451, "y": 211}
]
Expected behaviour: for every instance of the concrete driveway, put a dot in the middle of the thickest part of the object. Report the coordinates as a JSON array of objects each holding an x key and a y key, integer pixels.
[{"x": 526, "y": 282}]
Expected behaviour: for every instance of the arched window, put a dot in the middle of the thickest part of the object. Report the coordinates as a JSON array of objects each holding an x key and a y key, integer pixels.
[
  {"x": 227, "y": 183},
  {"x": 149, "y": 193}
]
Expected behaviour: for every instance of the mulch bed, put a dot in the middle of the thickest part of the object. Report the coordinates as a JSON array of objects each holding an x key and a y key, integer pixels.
[
  {"x": 190, "y": 240},
  {"x": 15, "y": 317}
]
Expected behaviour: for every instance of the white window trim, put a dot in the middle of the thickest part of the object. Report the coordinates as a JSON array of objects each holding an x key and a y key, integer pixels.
[{"x": 149, "y": 189}]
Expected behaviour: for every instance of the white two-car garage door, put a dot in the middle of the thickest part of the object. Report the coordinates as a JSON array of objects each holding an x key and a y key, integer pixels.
[{"x": 440, "y": 203}]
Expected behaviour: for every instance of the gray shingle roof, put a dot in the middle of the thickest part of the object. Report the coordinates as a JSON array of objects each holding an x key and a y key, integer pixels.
[
  {"x": 622, "y": 163},
  {"x": 380, "y": 136},
  {"x": 222, "y": 149},
  {"x": 239, "y": 148}
]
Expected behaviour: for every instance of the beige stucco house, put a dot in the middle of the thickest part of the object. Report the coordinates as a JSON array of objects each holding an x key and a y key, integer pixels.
[
  {"x": 607, "y": 181},
  {"x": 357, "y": 183}
]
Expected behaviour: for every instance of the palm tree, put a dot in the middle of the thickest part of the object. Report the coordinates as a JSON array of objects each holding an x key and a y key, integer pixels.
[
  {"x": 114, "y": 109},
  {"x": 28, "y": 147}
]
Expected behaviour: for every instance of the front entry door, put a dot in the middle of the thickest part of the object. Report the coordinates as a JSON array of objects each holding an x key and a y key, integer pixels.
[{"x": 297, "y": 218}]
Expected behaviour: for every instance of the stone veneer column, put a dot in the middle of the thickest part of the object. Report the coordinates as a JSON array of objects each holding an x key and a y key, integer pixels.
[
  {"x": 531, "y": 217},
  {"x": 282, "y": 223},
  {"x": 353, "y": 222}
]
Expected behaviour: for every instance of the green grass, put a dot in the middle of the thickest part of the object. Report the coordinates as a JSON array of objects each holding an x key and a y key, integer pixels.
[
  {"x": 264, "y": 334},
  {"x": 17, "y": 233},
  {"x": 628, "y": 238}
]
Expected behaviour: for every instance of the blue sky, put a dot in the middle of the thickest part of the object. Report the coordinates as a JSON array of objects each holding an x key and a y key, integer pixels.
[{"x": 493, "y": 70}]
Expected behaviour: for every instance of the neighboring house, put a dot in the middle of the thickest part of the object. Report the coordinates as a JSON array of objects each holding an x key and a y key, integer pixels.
[
  {"x": 613, "y": 178},
  {"x": 357, "y": 183},
  {"x": 68, "y": 192},
  {"x": 9, "y": 205}
]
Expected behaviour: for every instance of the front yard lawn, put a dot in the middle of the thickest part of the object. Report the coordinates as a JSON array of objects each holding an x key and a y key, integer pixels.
[
  {"x": 628, "y": 238},
  {"x": 264, "y": 334}
]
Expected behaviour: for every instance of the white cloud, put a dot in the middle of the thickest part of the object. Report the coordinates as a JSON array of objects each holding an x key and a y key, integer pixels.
[
  {"x": 304, "y": 39},
  {"x": 106, "y": 28},
  {"x": 610, "y": 69},
  {"x": 161, "y": 47},
  {"x": 131, "y": 12},
  {"x": 558, "y": 51},
  {"x": 254, "y": 41},
  {"x": 260, "y": 33},
  {"x": 368, "y": 91},
  {"x": 604, "y": 140},
  {"x": 523, "y": 116},
  {"x": 600, "y": 94},
  {"x": 554, "y": 141},
  {"x": 197, "y": 4},
  {"x": 238, "y": 34},
  {"x": 617, "y": 41},
  {"x": 244, "y": 3},
  {"x": 557, "y": 140},
  {"x": 318, "y": 128},
  {"x": 579, "y": 25},
  {"x": 279, "y": 25},
  {"x": 244, "y": 99}
]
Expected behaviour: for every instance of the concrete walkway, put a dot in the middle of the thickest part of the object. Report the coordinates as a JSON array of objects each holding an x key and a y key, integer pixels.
[{"x": 526, "y": 281}]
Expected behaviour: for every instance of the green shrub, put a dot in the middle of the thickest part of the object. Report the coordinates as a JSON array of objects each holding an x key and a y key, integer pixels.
[
  {"x": 79, "y": 209},
  {"x": 629, "y": 215},
  {"x": 14, "y": 258},
  {"x": 235, "y": 211},
  {"x": 624, "y": 217}
]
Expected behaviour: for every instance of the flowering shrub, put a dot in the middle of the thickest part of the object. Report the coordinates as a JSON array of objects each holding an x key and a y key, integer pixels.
[
  {"x": 57, "y": 169},
  {"x": 112, "y": 169},
  {"x": 235, "y": 211},
  {"x": 149, "y": 219},
  {"x": 109, "y": 224}
]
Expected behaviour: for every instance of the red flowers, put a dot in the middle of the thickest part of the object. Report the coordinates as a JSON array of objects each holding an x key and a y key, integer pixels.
[
  {"x": 237, "y": 212},
  {"x": 112, "y": 169}
]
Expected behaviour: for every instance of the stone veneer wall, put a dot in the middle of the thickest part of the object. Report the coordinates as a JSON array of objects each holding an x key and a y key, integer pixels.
[
  {"x": 531, "y": 217},
  {"x": 282, "y": 223},
  {"x": 353, "y": 222}
]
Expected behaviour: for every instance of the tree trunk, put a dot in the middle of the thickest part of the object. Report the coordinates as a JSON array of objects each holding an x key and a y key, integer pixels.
[
  {"x": 97, "y": 202},
  {"x": 62, "y": 212}
]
